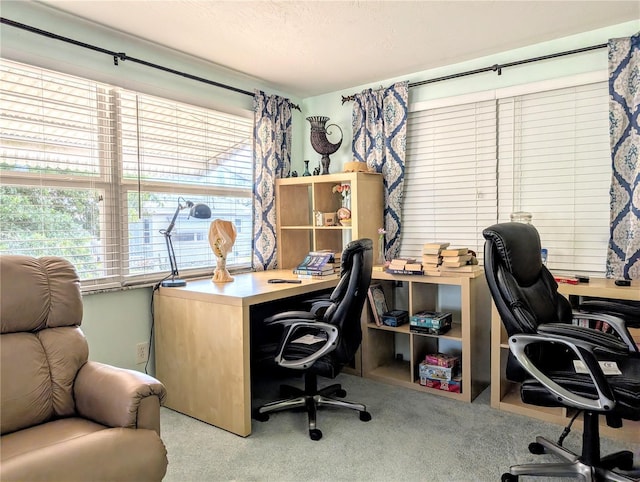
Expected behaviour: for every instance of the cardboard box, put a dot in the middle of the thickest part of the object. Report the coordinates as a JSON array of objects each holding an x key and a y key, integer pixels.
[
  {"x": 436, "y": 372},
  {"x": 395, "y": 318},
  {"x": 454, "y": 386},
  {"x": 431, "y": 322},
  {"x": 442, "y": 360}
]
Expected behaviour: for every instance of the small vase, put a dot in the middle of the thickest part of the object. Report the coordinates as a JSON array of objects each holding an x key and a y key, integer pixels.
[
  {"x": 306, "y": 169},
  {"x": 380, "y": 259}
]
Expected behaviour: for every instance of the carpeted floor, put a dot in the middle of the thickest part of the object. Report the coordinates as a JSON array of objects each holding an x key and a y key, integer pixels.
[{"x": 413, "y": 436}]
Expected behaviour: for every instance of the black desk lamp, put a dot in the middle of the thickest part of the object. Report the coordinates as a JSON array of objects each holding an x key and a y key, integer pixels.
[{"x": 199, "y": 211}]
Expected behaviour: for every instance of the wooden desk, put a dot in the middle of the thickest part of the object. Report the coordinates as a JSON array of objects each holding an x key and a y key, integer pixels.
[
  {"x": 202, "y": 342},
  {"x": 602, "y": 288}
]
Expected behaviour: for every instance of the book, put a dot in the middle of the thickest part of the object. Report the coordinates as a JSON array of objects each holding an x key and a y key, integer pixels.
[
  {"x": 431, "y": 259},
  {"x": 464, "y": 258},
  {"x": 400, "y": 263},
  {"x": 467, "y": 268},
  {"x": 413, "y": 266},
  {"x": 435, "y": 245},
  {"x": 318, "y": 275},
  {"x": 433, "y": 248},
  {"x": 316, "y": 261},
  {"x": 454, "y": 251},
  {"x": 453, "y": 264},
  {"x": 378, "y": 302},
  {"x": 404, "y": 271},
  {"x": 322, "y": 270}
]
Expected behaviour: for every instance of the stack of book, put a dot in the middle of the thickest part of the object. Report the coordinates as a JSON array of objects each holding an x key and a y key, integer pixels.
[
  {"x": 458, "y": 260},
  {"x": 318, "y": 264},
  {"x": 455, "y": 257},
  {"x": 404, "y": 266},
  {"x": 432, "y": 258}
]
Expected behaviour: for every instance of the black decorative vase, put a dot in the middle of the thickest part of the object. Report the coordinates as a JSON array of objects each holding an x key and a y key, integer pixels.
[
  {"x": 306, "y": 169},
  {"x": 319, "y": 140}
]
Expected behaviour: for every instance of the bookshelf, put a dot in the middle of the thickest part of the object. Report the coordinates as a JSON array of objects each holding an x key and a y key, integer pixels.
[
  {"x": 298, "y": 199},
  {"x": 505, "y": 395},
  {"x": 466, "y": 296}
]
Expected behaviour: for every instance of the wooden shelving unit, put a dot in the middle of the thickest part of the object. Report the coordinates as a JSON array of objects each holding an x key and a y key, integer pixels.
[
  {"x": 468, "y": 337},
  {"x": 505, "y": 395},
  {"x": 299, "y": 198}
]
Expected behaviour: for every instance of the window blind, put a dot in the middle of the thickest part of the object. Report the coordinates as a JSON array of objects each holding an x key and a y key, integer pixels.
[
  {"x": 554, "y": 162},
  {"x": 450, "y": 176},
  {"x": 92, "y": 172}
]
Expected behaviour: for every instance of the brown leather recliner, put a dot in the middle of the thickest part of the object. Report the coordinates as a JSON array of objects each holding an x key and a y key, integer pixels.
[{"x": 63, "y": 417}]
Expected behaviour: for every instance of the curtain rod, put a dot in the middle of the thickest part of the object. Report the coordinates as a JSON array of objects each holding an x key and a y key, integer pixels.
[
  {"x": 494, "y": 68},
  {"x": 118, "y": 56}
]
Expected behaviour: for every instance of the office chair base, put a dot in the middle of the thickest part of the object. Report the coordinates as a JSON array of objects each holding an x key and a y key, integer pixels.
[
  {"x": 311, "y": 402},
  {"x": 574, "y": 467}
]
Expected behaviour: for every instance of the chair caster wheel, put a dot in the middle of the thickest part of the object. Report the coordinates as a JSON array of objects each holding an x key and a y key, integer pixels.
[
  {"x": 315, "y": 434},
  {"x": 365, "y": 416},
  {"x": 341, "y": 393},
  {"x": 509, "y": 478},
  {"x": 260, "y": 417},
  {"x": 536, "y": 448}
]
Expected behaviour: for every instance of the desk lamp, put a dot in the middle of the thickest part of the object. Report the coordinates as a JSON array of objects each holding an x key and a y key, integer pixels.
[{"x": 198, "y": 211}]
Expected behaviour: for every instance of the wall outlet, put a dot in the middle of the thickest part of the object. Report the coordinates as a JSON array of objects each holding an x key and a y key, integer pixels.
[{"x": 142, "y": 352}]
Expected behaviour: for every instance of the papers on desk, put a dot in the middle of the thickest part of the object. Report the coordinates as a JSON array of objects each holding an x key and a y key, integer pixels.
[
  {"x": 608, "y": 367},
  {"x": 310, "y": 339}
]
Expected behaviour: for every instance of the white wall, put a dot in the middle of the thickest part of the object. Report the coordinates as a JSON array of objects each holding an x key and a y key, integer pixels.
[
  {"x": 330, "y": 104},
  {"x": 115, "y": 322}
]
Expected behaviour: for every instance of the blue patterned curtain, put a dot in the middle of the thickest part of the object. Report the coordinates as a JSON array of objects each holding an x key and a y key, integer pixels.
[
  {"x": 379, "y": 138},
  {"x": 623, "y": 257},
  {"x": 271, "y": 160}
]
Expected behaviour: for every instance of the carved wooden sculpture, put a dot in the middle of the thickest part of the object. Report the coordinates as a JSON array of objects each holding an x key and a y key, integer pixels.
[{"x": 222, "y": 235}]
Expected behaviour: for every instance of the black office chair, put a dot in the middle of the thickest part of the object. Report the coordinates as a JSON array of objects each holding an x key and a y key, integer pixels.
[
  {"x": 323, "y": 340},
  {"x": 544, "y": 343},
  {"x": 628, "y": 310}
]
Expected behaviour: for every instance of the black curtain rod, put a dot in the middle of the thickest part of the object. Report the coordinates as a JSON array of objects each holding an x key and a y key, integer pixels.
[
  {"x": 118, "y": 56},
  {"x": 494, "y": 68}
]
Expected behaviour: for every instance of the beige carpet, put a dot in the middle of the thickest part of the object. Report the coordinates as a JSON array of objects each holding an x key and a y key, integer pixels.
[{"x": 413, "y": 436}]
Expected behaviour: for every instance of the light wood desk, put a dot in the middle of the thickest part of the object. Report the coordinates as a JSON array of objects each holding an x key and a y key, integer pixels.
[{"x": 202, "y": 343}]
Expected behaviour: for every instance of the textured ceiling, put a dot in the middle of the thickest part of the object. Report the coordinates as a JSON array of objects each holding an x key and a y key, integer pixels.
[{"x": 307, "y": 48}]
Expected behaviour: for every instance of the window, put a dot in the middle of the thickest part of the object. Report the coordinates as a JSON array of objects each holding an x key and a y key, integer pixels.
[
  {"x": 450, "y": 184},
  {"x": 93, "y": 173},
  {"x": 545, "y": 152}
]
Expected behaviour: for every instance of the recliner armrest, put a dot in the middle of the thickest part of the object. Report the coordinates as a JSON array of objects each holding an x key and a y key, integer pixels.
[{"x": 117, "y": 397}]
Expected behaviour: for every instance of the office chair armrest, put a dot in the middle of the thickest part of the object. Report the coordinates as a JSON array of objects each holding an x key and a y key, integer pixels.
[
  {"x": 288, "y": 316},
  {"x": 584, "y": 351},
  {"x": 319, "y": 307},
  {"x": 304, "y": 363},
  {"x": 617, "y": 324},
  {"x": 600, "y": 341}
]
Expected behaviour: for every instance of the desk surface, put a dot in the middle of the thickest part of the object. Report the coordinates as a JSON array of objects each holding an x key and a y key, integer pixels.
[
  {"x": 602, "y": 288},
  {"x": 248, "y": 289}
]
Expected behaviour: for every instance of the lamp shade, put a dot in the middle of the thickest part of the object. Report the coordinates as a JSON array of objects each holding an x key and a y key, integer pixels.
[{"x": 200, "y": 211}]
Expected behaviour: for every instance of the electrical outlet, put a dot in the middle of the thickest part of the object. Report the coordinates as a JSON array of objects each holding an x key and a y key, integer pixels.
[{"x": 142, "y": 352}]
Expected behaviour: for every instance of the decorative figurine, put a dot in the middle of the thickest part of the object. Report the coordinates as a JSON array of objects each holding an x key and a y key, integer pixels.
[
  {"x": 319, "y": 140},
  {"x": 222, "y": 235}
]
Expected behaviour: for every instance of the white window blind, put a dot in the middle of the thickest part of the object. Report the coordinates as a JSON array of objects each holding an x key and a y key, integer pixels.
[
  {"x": 554, "y": 162},
  {"x": 92, "y": 173},
  {"x": 450, "y": 176}
]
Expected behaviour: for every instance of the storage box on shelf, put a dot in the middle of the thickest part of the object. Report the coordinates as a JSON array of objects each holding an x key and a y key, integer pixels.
[
  {"x": 467, "y": 338},
  {"x": 299, "y": 199},
  {"x": 505, "y": 395}
]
